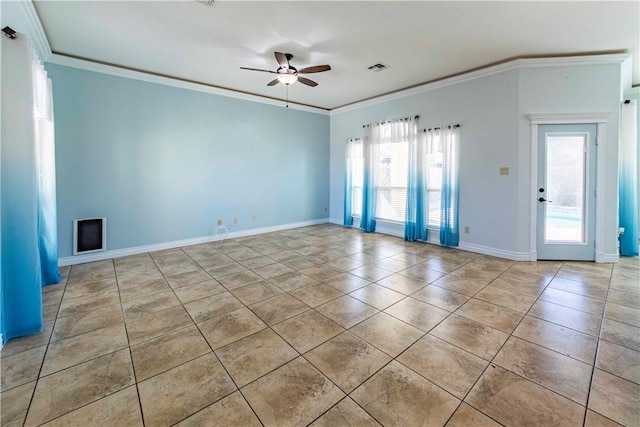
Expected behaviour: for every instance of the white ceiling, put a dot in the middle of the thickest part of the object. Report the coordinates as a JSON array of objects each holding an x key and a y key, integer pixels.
[{"x": 420, "y": 41}]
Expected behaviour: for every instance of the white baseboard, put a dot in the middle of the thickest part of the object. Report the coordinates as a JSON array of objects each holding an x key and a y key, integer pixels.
[
  {"x": 390, "y": 228},
  {"x": 604, "y": 258},
  {"x": 500, "y": 253},
  {"x": 118, "y": 253},
  {"x": 397, "y": 230}
]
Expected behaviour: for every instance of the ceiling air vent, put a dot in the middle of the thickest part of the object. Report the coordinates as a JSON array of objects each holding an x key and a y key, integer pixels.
[{"x": 378, "y": 67}]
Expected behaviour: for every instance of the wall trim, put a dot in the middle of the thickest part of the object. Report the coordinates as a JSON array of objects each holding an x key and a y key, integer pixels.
[
  {"x": 500, "y": 253},
  {"x": 41, "y": 43},
  {"x": 118, "y": 253},
  {"x": 34, "y": 29},
  {"x": 601, "y": 257},
  {"x": 568, "y": 118},
  {"x": 113, "y": 70},
  {"x": 600, "y": 120},
  {"x": 568, "y": 61},
  {"x": 389, "y": 228},
  {"x": 397, "y": 230}
]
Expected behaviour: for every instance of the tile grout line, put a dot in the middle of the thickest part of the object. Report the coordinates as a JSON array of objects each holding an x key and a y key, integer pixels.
[
  {"x": 345, "y": 330},
  {"x": 392, "y": 358},
  {"x": 201, "y": 335},
  {"x": 595, "y": 356},
  {"x": 77, "y": 364},
  {"x": 238, "y": 389},
  {"x": 133, "y": 368},
  {"x": 55, "y": 320},
  {"x": 326, "y": 262},
  {"x": 454, "y": 345},
  {"x": 491, "y": 362}
]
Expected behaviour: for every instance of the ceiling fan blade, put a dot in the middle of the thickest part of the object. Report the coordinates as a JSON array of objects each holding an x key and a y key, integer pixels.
[
  {"x": 273, "y": 82},
  {"x": 315, "y": 69},
  {"x": 307, "y": 82},
  {"x": 282, "y": 60},
  {"x": 257, "y": 69}
]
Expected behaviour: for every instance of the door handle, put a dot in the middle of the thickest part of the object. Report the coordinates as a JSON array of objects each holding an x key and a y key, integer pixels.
[{"x": 542, "y": 199}]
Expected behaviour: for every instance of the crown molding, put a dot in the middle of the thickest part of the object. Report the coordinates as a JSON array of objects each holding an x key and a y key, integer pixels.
[
  {"x": 34, "y": 29},
  {"x": 485, "y": 72},
  {"x": 113, "y": 70},
  {"x": 572, "y": 61},
  {"x": 562, "y": 118},
  {"x": 516, "y": 64}
]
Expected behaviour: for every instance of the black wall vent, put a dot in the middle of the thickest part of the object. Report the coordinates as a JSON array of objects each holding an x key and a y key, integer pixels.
[{"x": 89, "y": 235}]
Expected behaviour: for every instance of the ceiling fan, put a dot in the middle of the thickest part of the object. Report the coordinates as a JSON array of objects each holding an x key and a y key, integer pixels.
[{"x": 288, "y": 74}]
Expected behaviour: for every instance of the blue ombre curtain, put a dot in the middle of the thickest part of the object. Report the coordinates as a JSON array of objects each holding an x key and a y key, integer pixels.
[
  {"x": 415, "y": 227},
  {"x": 348, "y": 188},
  {"x": 370, "y": 150},
  {"x": 628, "y": 177},
  {"x": 28, "y": 234},
  {"x": 353, "y": 179},
  {"x": 46, "y": 167},
  {"x": 449, "y": 224}
]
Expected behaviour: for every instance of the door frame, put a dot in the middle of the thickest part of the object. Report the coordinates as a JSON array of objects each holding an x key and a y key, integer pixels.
[{"x": 537, "y": 119}]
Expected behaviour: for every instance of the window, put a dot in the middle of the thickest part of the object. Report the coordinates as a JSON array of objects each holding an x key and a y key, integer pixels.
[
  {"x": 391, "y": 195},
  {"x": 434, "y": 180},
  {"x": 386, "y": 158}
]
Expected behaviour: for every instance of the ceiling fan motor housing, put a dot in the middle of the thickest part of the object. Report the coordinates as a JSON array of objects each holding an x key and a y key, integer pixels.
[{"x": 290, "y": 70}]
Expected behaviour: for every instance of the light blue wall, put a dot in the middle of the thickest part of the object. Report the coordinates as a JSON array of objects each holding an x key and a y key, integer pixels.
[
  {"x": 149, "y": 156},
  {"x": 586, "y": 88},
  {"x": 487, "y": 110},
  {"x": 495, "y": 132},
  {"x": 163, "y": 163}
]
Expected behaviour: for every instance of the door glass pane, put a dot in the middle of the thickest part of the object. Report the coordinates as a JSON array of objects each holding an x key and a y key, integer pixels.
[{"x": 564, "y": 212}]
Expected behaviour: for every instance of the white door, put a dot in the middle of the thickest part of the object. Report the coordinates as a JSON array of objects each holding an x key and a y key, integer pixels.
[{"x": 566, "y": 192}]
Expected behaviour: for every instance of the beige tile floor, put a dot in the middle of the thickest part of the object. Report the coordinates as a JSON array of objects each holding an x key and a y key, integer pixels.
[{"x": 329, "y": 326}]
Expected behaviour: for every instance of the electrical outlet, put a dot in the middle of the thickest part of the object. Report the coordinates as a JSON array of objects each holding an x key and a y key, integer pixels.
[
  {"x": 253, "y": 218},
  {"x": 466, "y": 230},
  {"x": 219, "y": 222},
  {"x": 235, "y": 220},
  {"x": 504, "y": 171}
]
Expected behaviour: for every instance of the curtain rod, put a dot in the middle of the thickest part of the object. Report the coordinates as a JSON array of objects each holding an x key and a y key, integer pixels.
[
  {"x": 438, "y": 128},
  {"x": 388, "y": 121}
]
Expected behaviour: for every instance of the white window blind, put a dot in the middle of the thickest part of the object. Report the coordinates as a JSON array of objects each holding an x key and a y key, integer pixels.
[
  {"x": 434, "y": 180},
  {"x": 391, "y": 195},
  {"x": 357, "y": 177}
]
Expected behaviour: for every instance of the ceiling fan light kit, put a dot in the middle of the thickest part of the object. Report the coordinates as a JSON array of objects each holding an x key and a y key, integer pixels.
[{"x": 287, "y": 79}]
